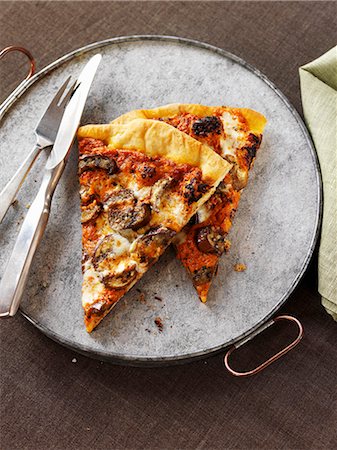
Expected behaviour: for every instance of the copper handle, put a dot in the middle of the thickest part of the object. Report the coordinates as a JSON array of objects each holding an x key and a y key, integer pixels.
[
  {"x": 14, "y": 48},
  {"x": 271, "y": 359}
]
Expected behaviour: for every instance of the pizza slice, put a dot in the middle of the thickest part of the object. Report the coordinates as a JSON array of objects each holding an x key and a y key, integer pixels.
[
  {"x": 233, "y": 133},
  {"x": 140, "y": 183}
]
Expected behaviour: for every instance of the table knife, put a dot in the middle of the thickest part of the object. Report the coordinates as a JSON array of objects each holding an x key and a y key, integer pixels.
[{"x": 17, "y": 270}]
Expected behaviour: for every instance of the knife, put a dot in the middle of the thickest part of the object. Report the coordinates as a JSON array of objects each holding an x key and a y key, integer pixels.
[{"x": 16, "y": 273}]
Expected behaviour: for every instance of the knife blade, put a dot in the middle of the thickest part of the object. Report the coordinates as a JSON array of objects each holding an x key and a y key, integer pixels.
[
  {"x": 16, "y": 273},
  {"x": 72, "y": 115}
]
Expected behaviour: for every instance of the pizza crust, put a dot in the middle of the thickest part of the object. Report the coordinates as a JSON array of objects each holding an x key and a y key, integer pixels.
[
  {"x": 155, "y": 138},
  {"x": 255, "y": 120}
]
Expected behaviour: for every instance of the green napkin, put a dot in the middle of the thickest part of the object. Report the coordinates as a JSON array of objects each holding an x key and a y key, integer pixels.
[{"x": 319, "y": 98}]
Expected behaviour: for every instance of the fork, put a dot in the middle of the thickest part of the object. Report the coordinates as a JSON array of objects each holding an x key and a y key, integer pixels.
[{"x": 45, "y": 132}]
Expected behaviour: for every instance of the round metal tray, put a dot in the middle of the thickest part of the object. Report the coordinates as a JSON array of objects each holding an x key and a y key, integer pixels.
[{"x": 274, "y": 232}]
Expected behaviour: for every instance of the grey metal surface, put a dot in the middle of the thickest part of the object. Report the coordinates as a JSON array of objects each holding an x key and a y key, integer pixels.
[{"x": 273, "y": 234}]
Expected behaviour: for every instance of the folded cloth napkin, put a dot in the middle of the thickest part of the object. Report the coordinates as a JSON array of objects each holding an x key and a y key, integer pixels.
[{"x": 319, "y": 98}]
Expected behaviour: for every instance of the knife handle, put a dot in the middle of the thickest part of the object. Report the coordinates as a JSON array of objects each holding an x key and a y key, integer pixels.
[
  {"x": 16, "y": 273},
  {"x": 7, "y": 195}
]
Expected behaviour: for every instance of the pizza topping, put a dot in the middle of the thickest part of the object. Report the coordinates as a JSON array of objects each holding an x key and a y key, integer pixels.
[
  {"x": 90, "y": 211},
  {"x": 120, "y": 219},
  {"x": 234, "y": 136},
  {"x": 108, "y": 249},
  {"x": 203, "y": 275},
  {"x": 147, "y": 247},
  {"x": 194, "y": 190},
  {"x": 95, "y": 309},
  {"x": 239, "y": 178},
  {"x": 203, "y": 214},
  {"x": 211, "y": 240},
  {"x": 109, "y": 262},
  {"x": 141, "y": 216},
  {"x": 147, "y": 171},
  {"x": 131, "y": 217},
  {"x": 207, "y": 125},
  {"x": 121, "y": 275},
  {"x": 246, "y": 154},
  {"x": 157, "y": 192},
  {"x": 223, "y": 189},
  {"x": 97, "y": 162},
  {"x": 92, "y": 287},
  {"x": 121, "y": 197}
]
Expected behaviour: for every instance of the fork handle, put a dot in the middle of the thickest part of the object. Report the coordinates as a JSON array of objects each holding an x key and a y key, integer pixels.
[
  {"x": 7, "y": 195},
  {"x": 16, "y": 273}
]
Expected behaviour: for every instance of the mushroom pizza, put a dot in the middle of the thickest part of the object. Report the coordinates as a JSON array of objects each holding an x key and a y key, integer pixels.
[
  {"x": 140, "y": 184},
  {"x": 233, "y": 133}
]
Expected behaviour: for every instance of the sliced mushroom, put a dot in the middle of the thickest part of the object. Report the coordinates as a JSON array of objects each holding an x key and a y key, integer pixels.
[
  {"x": 122, "y": 275},
  {"x": 223, "y": 188},
  {"x": 121, "y": 197},
  {"x": 239, "y": 178},
  {"x": 97, "y": 162},
  {"x": 203, "y": 275},
  {"x": 157, "y": 192},
  {"x": 108, "y": 249},
  {"x": 85, "y": 194},
  {"x": 120, "y": 218},
  {"x": 147, "y": 248},
  {"x": 133, "y": 218},
  {"x": 91, "y": 211},
  {"x": 141, "y": 216},
  {"x": 212, "y": 240},
  {"x": 230, "y": 158}
]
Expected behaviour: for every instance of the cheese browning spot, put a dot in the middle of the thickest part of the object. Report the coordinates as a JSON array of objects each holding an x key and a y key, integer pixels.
[{"x": 207, "y": 125}]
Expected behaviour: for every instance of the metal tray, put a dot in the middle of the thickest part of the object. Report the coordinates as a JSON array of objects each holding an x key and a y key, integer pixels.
[{"x": 274, "y": 232}]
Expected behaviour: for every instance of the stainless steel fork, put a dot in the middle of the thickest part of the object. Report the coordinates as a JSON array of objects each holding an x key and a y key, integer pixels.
[{"x": 45, "y": 132}]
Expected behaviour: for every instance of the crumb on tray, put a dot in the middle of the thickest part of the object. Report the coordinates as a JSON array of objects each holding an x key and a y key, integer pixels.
[
  {"x": 159, "y": 323},
  {"x": 239, "y": 267},
  {"x": 142, "y": 298}
]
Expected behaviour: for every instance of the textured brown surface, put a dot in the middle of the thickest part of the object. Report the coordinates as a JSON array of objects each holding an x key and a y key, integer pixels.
[{"x": 49, "y": 402}]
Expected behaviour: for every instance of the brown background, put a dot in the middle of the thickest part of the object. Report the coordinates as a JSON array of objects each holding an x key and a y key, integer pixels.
[{"x": 48, "y": 402}]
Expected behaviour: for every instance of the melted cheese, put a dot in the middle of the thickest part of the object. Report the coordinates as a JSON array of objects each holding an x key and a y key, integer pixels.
[
  {"x": 203, "y": 213},
  {"x": 121, "y": 245},
  {"x": 92, "y": 288},
  {"x": 140, "y": 193},
  {"x": 234, "y": 136},
  {"x": 119, "y": 267}
]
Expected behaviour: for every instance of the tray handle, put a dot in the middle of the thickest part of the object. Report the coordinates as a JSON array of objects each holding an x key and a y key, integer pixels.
[
  {"x": 17, "y": 91},
  {"x": 272, "y": 358},
  {"x": 14, "y": 48}
]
